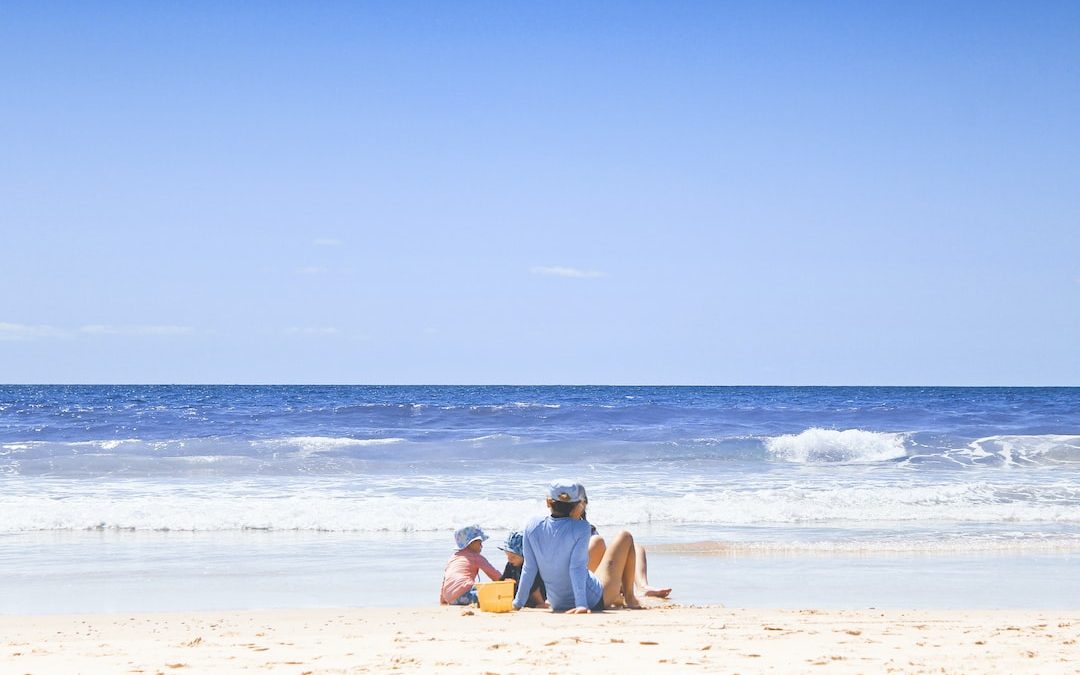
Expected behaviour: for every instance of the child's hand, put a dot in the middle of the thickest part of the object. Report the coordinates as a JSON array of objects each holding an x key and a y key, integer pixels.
[{"x": 579, "y": 610}]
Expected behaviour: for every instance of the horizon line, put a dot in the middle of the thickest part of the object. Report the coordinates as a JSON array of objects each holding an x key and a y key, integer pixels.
[{"x": 430, "y": 384}]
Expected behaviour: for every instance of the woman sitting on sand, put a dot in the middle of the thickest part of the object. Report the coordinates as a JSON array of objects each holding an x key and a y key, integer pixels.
[
  {"x": 597, "y": 547},
  {"x": 557, "y": 547}
]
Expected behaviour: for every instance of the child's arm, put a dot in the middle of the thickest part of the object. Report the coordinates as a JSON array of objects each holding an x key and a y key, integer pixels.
[{"x": 493, "y": 574}]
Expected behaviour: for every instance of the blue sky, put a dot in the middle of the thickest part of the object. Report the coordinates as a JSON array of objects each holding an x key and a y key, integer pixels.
[{"x": 651, "y": 193}]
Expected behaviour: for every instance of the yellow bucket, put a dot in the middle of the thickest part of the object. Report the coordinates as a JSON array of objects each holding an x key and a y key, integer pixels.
[{"x": 496, "y": 596}]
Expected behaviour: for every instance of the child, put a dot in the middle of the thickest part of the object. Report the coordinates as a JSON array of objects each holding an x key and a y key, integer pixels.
[
  {"x": 458, "y": 584},
  {"x": 514, "y": 560}
]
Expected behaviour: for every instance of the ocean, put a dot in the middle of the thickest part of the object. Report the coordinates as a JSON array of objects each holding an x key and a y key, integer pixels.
[{"x": 118, "y": 498}]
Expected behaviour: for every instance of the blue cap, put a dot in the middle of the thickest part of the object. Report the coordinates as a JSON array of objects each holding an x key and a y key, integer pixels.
[
  {"x": 515, "y": 543},
  {"x": 468, "y": 535},
  {"x": 563, "y": 490}
]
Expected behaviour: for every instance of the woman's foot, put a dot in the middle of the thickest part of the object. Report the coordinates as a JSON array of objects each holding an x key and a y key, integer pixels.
[
  {"x": 622, "y": 603},
  {"x": 651, "y": 592},
  {"x": 631, "y": 602}
]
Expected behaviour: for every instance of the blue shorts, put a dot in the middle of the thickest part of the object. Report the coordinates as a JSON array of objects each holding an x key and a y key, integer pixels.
[{"x": 467, "y": 598}]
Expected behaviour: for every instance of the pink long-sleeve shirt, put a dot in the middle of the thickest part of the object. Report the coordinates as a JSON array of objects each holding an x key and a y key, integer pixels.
[{"x": 460, "y": 574}]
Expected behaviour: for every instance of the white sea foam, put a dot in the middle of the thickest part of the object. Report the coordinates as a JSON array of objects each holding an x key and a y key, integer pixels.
[
  {"x": 111, "y": 446},
  {"x": 830, "y": 445},
  {"x": 493, "y": 439},
  {"x": 515, "y": 405},
  {"x": 1029, "y": 449},
  {"x": 400, "y": 505},
  {"x": 313, "y": 445},
  {"x": 298, "y": 512}
]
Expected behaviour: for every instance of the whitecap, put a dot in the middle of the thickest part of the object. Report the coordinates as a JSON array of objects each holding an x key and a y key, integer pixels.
[
  {"x": 831, "y": 445},
  {"x": 313, "y": 445}
]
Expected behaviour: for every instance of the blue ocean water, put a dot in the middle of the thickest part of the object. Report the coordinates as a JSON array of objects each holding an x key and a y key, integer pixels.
[
  {"x": 175, "y": 471},
  {"x": 989, "y": 466}
]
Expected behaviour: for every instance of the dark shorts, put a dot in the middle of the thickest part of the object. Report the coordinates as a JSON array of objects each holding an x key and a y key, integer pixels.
[
  {"x": 599, "y": 606},
  {"x": 469, "y": 597}
]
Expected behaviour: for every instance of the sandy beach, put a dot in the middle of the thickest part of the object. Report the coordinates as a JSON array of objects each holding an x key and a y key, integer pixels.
[{"x": 662, "y": 638}]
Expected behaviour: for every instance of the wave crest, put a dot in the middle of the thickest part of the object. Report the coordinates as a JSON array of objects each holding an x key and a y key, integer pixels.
[{"x": 829, "y": 445}]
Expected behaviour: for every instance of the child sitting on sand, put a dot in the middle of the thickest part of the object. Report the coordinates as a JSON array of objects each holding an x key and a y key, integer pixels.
[
  {"x": 515, "y": 558},
  {"x": 459, "y": 579}
]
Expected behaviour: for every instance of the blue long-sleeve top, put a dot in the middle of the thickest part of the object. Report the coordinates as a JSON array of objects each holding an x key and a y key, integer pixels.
[{"x": 558, "y": 549}]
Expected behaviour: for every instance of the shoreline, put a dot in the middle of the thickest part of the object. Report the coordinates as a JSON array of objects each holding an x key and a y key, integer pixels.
[
  {"x": 63, "y": 573},
  {"x": 457, "y": 639}
]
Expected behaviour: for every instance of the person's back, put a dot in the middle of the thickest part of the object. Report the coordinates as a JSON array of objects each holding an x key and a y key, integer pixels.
[{"x": 558, "y": 550}]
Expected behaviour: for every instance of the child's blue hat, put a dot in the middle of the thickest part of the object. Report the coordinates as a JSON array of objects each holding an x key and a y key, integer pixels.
[
  {"x": 468, "y": 535},
  {"x": 515, "y": 543}
]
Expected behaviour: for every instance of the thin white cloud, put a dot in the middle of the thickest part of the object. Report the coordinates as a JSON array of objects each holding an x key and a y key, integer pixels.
[
  {"x": 311, "y": 271},
  {"x": 567, "y": 272},
  {"x": 19, "y": 331},
  {"x": 326, "y": 241},
  {"x": 313, "y": 331},
  {"x": 22, "y": 331},
  {"x": 99, "y": 329}
]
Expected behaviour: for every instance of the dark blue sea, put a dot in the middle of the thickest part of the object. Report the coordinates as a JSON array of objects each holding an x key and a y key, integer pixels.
[{"x": 294, "y": 481}]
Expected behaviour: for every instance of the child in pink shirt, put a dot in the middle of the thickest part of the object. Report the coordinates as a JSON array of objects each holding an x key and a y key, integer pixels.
[{"x": 459, "y": 579}]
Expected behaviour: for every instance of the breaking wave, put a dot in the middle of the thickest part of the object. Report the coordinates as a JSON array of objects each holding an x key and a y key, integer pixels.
[{"x": 829, "y": 445}]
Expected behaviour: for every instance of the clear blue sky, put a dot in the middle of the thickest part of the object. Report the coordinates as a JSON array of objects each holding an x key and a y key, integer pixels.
[{"x": 579, "y": 192}]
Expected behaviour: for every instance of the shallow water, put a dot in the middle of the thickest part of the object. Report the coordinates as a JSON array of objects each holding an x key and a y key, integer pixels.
[{"x": 137, "y": 571}]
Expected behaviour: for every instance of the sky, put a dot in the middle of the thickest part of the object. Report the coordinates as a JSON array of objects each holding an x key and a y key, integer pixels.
[{"x": 713, "y": 193}]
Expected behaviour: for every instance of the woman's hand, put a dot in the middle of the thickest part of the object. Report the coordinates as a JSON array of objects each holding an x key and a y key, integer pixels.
[{"x": 579, "y": 610}]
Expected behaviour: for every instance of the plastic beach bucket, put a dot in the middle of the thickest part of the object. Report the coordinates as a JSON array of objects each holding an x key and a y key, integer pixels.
[{"x": 496, "y": 596}]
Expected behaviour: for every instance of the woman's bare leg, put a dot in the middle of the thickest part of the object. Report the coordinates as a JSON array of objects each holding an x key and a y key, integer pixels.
[
  {"x": 642, "y": 577},
  {"x": 596, "y": 551},
  {"x": 617, "y": 571}
]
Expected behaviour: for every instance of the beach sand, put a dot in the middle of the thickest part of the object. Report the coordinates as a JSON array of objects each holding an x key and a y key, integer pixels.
[{"x": 663, "y": 638}]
